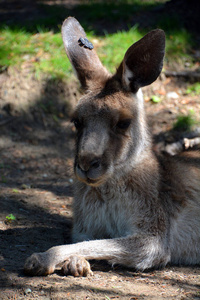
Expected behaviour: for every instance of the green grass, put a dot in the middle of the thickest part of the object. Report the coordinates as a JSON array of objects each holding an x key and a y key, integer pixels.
[
  {"x": 12, "y": 46},
  {"x": 178, "y": 47},
  {"x": 193, "y": 89},
  {"x": 184, "y": 123},
  {"x": 114, "y": 46},
  {"x": 10, "y": 218},
  {"x": 179, "y": 41},
  {"x": 45, "y": 51},
  {"x": 39, "y": 44}
]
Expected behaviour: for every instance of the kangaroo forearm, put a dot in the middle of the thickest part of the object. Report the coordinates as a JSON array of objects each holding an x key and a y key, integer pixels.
[
  {"x": 96, "y": 249},
  {"x": 141, "y": 252}
]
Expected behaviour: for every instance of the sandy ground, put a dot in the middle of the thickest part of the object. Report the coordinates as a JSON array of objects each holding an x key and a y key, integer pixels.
[
  {"x": 36, "y": 178},
  {"x": 36, "y": 182}
]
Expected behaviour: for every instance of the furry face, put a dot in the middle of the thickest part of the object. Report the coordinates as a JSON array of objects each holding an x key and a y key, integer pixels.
[{"x": 105, "y": 126}]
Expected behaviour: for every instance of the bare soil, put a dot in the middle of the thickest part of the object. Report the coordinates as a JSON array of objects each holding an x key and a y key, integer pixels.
[
  {"x": 36, "y": 186},
  {"x": 36, "y": 180}
]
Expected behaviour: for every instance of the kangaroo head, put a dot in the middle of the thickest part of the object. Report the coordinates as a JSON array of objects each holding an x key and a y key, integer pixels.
[{"x": 111, "y": 128}]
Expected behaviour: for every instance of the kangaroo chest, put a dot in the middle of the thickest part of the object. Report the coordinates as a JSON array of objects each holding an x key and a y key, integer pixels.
[{"x": 108, "y": 214}]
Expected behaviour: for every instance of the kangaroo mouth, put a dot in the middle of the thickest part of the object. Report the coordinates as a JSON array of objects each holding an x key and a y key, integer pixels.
[
  {"x": 92, "y": 182},
  {"x": 93, "y": 177}
]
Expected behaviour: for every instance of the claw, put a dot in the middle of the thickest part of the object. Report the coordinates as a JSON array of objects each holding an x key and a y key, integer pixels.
[{"x": 76, "y": 266}]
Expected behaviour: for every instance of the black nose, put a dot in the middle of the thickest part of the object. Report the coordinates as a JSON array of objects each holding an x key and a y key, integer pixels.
[
  {"x": 86, "y": 163},
  {"x": 95, "y": 163}
]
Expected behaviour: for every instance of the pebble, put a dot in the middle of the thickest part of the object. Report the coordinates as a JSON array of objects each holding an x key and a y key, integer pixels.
[
  {"x": 27, "y": 291},
  {"x": 42, "y": 293},
  {"x": 26, "y": 57},
  {"x": 172, "y": 95},
  {"x": 22, "y": 167},
  {"x": 113, "y": 278},
  {"x": 25, "y": 186}
]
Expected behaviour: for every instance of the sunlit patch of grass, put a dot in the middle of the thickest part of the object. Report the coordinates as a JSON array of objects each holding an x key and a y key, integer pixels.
[
  {"x": 178, "y": 44},
  {"x": 43, "y": 50},
  {"x": 193, "y": 89},
  {"x": 46, "y": 53},
  {"x": 13, "y": 45},
  {"x": 184, "y": 123},
  {"x": 178, "y": 40},
  {"x": 114, "y": 46}
]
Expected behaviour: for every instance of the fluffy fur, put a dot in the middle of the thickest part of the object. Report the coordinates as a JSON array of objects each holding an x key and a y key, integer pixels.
[{"x": 130, "y": 207}]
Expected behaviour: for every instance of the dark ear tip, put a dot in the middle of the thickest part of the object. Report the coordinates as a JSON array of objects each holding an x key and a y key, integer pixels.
[
  {"x": 159, "y": 33},
  {"x": 157, "y": 37}
]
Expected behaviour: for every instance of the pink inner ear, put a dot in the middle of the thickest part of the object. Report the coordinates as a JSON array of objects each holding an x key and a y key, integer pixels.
[{"x": 127, "y": 76}]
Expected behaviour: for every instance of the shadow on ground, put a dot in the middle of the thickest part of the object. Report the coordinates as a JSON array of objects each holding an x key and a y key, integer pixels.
[{"x": 36, "y": 166}]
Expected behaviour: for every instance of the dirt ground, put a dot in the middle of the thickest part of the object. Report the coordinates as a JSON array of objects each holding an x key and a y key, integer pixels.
[
  {"x": 36, "y": 180},
  {"x": 36, "y": 186}
]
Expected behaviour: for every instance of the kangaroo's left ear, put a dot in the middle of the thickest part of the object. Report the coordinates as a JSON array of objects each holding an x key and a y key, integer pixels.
[
  {"x": 143, "y": 61},
  {"x": 81, "y": 54}
]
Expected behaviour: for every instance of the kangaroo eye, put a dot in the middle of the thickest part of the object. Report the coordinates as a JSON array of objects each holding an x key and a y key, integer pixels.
[
  {"x": 77, "y": 123},
  {"x": 124, "y": 124}
]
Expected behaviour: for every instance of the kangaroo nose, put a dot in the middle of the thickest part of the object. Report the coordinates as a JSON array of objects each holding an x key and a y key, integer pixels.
[
  {"x": 86, "y": 163},
  {"x": 89, "y": 169}
]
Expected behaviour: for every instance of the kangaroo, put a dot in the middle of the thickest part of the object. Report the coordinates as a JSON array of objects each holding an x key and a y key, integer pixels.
[{"x": 131, "y": 207}]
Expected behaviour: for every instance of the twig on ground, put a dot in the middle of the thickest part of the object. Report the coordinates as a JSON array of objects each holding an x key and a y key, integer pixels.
[
  {"x": 6, "y": 121},
  {"x": 184, "y": 144},
  {"x": 187, "y": 74}
]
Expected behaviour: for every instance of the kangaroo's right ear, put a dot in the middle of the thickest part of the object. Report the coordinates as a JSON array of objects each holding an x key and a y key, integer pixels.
[
  {"x": 81, "y": 54},
  {"x": 143, "y": 61}
]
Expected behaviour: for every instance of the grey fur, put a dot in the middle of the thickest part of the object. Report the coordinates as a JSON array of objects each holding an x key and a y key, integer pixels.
[{"x": 130, "y": 207}]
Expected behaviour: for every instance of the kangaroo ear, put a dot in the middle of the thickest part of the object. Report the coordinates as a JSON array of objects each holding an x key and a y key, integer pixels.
[
  {"x": 81, "y": 54},
  {"x": 143, "y": 61}
]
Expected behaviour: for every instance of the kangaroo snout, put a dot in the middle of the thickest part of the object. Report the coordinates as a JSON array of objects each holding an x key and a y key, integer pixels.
[
  {"x": 86, "y": 163},
  {"x": 88, "y": 168}
]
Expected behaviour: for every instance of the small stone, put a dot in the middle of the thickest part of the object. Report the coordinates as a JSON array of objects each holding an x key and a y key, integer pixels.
[
  {"x": 187, "y": 64},
  {"x": 27, "y": 291},
  {"x": 172, "y": 95},
  {"x": 42, "y": 293},
  {"x": 22, "y": 167},
  {"x": 26, "y": 57},
  {"x": 113, "y": 278},
  {"x": 25, "y": 186}
]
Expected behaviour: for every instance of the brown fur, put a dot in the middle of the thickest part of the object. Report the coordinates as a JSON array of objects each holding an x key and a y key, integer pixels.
[{"x": 130, "y": 206}]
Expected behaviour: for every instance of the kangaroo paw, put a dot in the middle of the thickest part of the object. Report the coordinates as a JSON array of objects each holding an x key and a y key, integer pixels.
[
  {"x": 36, "y": 264},
  {"x": 76, "y": 266}
]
